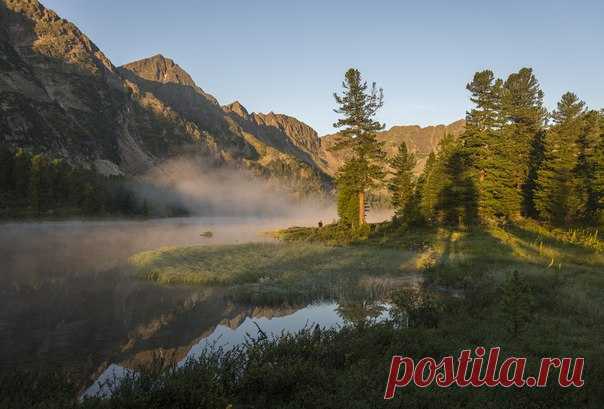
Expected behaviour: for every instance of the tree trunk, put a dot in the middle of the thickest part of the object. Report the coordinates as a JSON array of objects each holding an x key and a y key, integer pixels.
[{"x": 362, "y": 208}]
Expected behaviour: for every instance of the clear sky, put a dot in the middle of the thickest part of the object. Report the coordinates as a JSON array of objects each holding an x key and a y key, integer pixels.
[{"x": 290, "y": 56}]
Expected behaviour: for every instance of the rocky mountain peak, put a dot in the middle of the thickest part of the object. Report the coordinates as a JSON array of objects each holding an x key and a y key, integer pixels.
[
  {"x": 237, "y": 108},
  {"x": 160, "y": 69},
  {"x": 35, "y": 31}
]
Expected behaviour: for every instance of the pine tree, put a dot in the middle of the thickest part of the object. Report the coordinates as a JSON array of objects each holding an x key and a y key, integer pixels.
[
  {"x": 536, "y": 157},
  {"x": 598, "y": 181},
  {"x": 457, "y": 201},
  {"x": 402, "y": 183},
  {"x": 522, "y": 108},
  {"x": 503, "y": 133},
  {"x": 39, "y": 186},
  {"x": 517, "y": 304},
  {"x": 348, "y": 195},
  {"x": 586, "y": 167},
  {"x": 21, "y": 171},
  {"x": 358, "y": 106},
  {"x": 483, "y": 145},
  {"x": 6, "y": 169},
  {"x": 436, "y": 179},
  {"x": 59, "y": 181},
  {"x": 426, "y": 189},
  {"x": 558, "y": 192}
]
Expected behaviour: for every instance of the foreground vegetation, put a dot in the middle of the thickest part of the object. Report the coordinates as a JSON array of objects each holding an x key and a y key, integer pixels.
[
  {"x": 551, "y": 307},
  {"x": 339, "y": 369},
  {"x": 275, "y": 273}
]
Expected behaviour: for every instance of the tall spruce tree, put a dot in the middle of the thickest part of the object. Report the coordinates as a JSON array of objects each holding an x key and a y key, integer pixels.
[
  {"x": 426, "y": 189},
  {"x": 524, "y": 114},
  {"x": 457, "y": 199},
  {"x": 536, "y": 157},
  {"x": 402, "y": 183},
  {"x": 358, "y": 105},
  {"x": 482, "y": 144},
  {"x": 6, "y": 170},
  {"x": 503, "y": 138},
  {"x": 586, "y": 167},
  {"x": 38, "y": 183},
  {"x": 21, "y": 172},
  {"x": 348, "y": 194},
  {"x": 598, "y": 181},
  {"x": 517, "y": 304},
  {"x": 558, "y": 190},
  {"x": 436, "y": 178}
]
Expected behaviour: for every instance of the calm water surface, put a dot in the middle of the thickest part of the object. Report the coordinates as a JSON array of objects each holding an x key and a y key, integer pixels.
[
  {"x": 65, "y": 300},
  {"x": 229, "y": 334}
]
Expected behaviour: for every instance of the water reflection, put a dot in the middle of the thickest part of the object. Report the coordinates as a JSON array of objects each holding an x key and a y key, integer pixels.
[
  {"x": 66, "y": 301},
  {"x": 65, "y": 297},
  {"x": 234, "y": 332}
]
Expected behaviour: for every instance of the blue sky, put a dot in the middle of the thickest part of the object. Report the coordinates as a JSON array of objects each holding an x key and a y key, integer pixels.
[{"x": 290, "y": 56}]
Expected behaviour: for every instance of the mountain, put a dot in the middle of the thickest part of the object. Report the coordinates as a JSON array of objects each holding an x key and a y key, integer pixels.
[
  {"x": 59, "y": 94},
  {"x": 419, "y": 140}
]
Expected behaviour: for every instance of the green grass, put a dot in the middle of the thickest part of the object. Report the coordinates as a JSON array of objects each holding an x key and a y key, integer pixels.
[
  {"x": 321, "y": 262},
  {"x": 347, "y": 368},
  {"x": 274, "y": 273}
]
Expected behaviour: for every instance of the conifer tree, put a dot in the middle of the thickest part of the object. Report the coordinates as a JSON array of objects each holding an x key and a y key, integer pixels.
[
  {"x": 598, "y": 181},
  {"x": 558, "y": 190},
  {"x": 502, "y": 141},
  {"x": 457, "y": 201},
  {"x": 348, "y": 195},
  {"x": 517, "y": 303},
  {"x": 402, "y": 183},
  {"x": 38, "y": 183},
  {"x": 59, "y": 181},
  {"x": 436, "y": 179},
  {"x": 427, "y": 198},
  {"x": 21, "y": 171},
  {"x": 524, "y": 114},
  {"x": 358, "y": 105},
  {"x": 585, "y": 170},
  {"x": 482, "y": 144},
  {"x": 536, "y": 157},
  {"x": 6, "y": 169}
]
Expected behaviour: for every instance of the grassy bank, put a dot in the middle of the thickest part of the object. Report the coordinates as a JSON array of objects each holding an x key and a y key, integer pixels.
[
  {"x": 554, "y": 306},
  {"x": 257, "y": 262},
  {"x": 274, "y": 273},
  {"x": 347, "y": 368}
]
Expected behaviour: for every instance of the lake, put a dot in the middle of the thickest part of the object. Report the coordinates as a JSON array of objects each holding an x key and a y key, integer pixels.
[{"x": 67, "y": 299}]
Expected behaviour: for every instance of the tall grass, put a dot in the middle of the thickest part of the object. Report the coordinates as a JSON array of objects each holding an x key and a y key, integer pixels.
[{"x": 265, "y": 263}]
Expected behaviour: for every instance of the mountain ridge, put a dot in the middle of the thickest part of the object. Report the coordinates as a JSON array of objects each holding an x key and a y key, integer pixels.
[
  {"x": 59, "y": 94},
  {"x": 419, "y": 140}
]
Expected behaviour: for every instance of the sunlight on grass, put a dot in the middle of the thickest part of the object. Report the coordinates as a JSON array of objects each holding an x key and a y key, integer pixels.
[{"x": 267, "y": 262}]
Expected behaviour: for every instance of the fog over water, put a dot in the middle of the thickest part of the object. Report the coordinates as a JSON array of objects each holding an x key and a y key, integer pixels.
[
  {"x": 68, "y": 299},
  {"x": 32, "y": 250},
  {"x": 231, "y": 203},
  {"x": 189, "y": 184},
  {"x": 234, "y": 205}
]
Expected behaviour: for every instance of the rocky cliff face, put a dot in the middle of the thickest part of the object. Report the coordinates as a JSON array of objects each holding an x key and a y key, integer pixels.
[
  {"x": 273, "y": 145},
  {"x": 59, "y": 94}
]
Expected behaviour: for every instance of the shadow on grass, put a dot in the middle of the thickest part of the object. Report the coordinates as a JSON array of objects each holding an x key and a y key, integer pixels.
[{"x": 547, "y": 238}]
